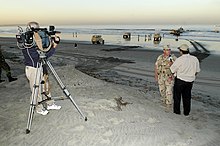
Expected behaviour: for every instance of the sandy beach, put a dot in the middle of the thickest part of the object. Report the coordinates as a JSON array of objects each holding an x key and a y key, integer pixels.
[{"x": 97, "y": 76}]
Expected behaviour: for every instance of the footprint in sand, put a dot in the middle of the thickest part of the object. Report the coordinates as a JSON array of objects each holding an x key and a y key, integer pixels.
[
  {"x": 104, "y": 139},
  {"x": 90, "y": 114},
  {"x": 79, "y": 128},
  {"x": 108, "y": 133},
  {"x": 178, "y": 144},
  {"x": 116, "y": 121},
  {"x": 152, "y": 120}
]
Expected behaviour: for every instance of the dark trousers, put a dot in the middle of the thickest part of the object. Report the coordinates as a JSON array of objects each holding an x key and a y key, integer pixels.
[{"x": 182, "y": 89}]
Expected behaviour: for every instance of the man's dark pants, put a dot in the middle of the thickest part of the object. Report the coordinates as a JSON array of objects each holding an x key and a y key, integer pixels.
[{"x": 182, "y": 89}]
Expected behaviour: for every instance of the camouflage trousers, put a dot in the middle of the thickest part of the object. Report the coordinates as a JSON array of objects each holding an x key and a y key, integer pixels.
[
  {"x": 4, "y": 66},
  {"x": 166, "y": 89}
]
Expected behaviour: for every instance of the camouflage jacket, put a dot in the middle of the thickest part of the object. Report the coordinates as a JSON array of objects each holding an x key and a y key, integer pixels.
[{"x": 163, "y": 65}]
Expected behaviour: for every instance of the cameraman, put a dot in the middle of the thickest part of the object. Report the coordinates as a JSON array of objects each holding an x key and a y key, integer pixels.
[{"x": 31, "y": 59}]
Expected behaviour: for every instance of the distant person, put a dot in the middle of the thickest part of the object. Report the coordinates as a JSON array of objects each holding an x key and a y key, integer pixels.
[
  {"x": 164, "y": 76},
  {"x": 186, "y": 68},
  {"x": 4, "y": 65},
  {"x": 75, "y": 45},
  {"x": 31, "y": 58}
]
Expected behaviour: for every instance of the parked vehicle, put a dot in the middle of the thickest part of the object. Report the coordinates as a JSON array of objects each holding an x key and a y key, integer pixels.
[
  {"x": 157, "y": 37},
  {"x": 97, "y": 39},
  {"x": 127, "y": 36}
]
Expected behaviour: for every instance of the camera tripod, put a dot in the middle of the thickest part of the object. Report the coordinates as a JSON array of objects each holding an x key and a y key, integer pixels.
[{"x": 38, "y": 77}]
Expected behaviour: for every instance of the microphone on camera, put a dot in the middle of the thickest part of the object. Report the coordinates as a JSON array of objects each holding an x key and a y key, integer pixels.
[{"x": 170, "y": 58}]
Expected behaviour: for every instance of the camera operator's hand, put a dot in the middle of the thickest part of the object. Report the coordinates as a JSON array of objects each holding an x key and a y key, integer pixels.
[{"x": 56, "y": 41}]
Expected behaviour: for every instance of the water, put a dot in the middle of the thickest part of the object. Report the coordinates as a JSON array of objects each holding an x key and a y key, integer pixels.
[{"x": 112, "y": 34}]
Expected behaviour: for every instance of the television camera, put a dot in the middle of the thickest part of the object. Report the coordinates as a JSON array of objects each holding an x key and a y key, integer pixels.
[{"x": 40, "y": 38}]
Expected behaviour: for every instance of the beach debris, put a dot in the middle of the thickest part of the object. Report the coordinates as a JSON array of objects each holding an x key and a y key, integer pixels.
[
  {"x": 2, "y": 86},
  {"x": 120, "y": 102},
  {"x": 177, "y": 32}
]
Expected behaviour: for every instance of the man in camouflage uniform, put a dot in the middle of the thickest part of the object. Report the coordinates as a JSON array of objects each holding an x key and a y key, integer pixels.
[
  {"x": 163, "y": 75},
  {"x": 6, "y": 67}
]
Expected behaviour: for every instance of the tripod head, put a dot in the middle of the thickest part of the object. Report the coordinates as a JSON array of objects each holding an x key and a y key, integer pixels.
[{"x": 42, "y": 55}]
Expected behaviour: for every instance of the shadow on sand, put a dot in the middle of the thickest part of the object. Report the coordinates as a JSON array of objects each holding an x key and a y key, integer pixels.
[{"x": 200, "y": 54}]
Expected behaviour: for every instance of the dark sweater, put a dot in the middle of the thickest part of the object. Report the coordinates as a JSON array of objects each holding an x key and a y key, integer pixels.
[{"x": 31, "y": 56}]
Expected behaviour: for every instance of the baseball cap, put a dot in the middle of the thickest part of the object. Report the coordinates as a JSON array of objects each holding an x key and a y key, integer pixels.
[
  {"x": 166, "y": 47},
  {"x": 184, "y": 47}
]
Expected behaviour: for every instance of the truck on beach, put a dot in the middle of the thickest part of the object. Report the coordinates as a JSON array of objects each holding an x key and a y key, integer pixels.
[{"x": 97, "y": 39}]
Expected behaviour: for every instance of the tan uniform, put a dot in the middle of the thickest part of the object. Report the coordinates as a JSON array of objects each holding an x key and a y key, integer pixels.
[{"x": 165, "y": 77}]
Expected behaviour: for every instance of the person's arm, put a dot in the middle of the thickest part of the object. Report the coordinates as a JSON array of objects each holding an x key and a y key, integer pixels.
[
  {"x": 197, "y": 67},
  {"x": 50, "y": 52},
  {"x": 173, "y": 68},
  {"x": 55, "y": 42},
  {"x": 156, "y": 69}
]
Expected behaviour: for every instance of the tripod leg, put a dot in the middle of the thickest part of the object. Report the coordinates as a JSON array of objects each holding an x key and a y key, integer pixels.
[
  {"x": 34, "y": 97},
  {"x": 65, "y": 91}
]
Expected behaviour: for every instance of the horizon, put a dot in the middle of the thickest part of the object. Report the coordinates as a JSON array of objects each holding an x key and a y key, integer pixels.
[
  {"x": 116, "y": 12},
  {"x": 93, "y": 24},
  {"x": 180, "y": 25}
]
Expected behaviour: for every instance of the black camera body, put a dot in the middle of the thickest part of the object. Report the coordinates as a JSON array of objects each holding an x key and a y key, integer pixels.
[
  {"x": 26, "y": 39},
  {"x": 51, "y": 31}
]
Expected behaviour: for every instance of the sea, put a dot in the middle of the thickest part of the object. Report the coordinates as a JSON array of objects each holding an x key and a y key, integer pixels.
[{"x": 141, "y": 35}]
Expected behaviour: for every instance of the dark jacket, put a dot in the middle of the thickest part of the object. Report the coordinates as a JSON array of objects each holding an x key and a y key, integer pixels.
[{"x": 31, "y": 56}]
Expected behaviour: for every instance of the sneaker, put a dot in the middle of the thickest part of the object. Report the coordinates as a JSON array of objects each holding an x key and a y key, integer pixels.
[
  {"x": 53, "y": 106},
  {"x": 43, "y": 112}
]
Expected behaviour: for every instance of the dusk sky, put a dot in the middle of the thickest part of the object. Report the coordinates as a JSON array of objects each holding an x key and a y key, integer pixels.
[{"x": 75, "y": 12}]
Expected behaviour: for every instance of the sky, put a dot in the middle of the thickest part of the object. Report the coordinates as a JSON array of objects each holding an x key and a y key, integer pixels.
[{"x": 87, "y": 12}]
